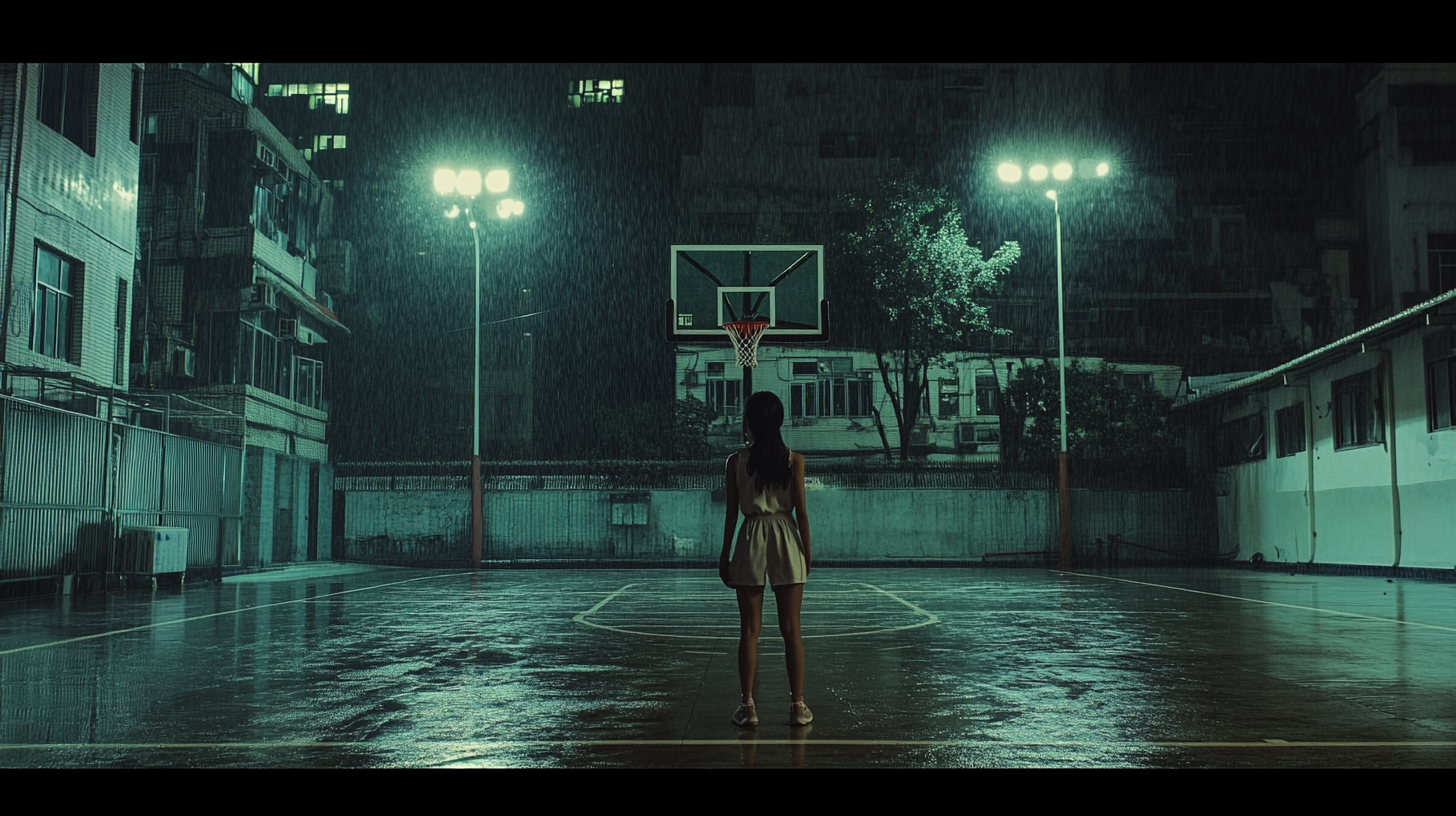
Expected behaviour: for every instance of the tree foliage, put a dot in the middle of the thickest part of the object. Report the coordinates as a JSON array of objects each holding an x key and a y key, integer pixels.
[
  {"x": 653, "y": 431},
  {"x": 1107, "y": 420},
  {"x": 916, "y": 284}
]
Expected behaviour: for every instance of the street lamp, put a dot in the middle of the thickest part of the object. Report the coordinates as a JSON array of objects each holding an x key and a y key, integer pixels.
[
  {"x": 1010, "y": 173},
  {"x": 467, "y": 185}
]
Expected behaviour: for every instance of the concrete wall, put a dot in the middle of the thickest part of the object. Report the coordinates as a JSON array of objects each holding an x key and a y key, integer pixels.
[
  {"x": 1265, "y": 504},
  {"x": 846, "y": 524}
]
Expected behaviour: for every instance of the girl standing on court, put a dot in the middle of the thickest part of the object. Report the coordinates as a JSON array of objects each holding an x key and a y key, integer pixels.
[{"x": 765, "y": 481}]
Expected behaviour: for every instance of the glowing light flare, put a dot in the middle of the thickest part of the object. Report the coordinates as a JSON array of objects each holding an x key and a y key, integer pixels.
[
  {"x": 1062, "y": 171},
  {"x": 1102, "y": 168},
  {"x": 498, "y": 181},
  {"x": 1038, "y": 172},
  {"x": 444, "y": 181},
  {"x": 1009, "y": 172},
  {"x": 468, "y": 183},
  {"x": 453, "y": 211},
  {"x": 1052, "y": 194},
  {"x": 509, "y": 207}
]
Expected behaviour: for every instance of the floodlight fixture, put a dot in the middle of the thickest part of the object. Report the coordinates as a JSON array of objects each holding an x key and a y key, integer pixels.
[
  {"x": 468, "y": 183},
  {"x": 497, "y": 181},
  {"x": 1038, "y": 172},
  {"x": 1062, "y": 171},
  {"x": 444, "y": 181},
  {"x": 1009, "y": 172},
  {"x": 1102, "y": 168}
]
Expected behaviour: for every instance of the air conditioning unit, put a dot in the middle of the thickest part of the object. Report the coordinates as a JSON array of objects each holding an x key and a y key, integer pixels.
[
  {"x": 151, "y": 551},
  {"x": 259, "y": 296},
  {"x": 184, "y": 362},
  {"x": 690, "y": 378},
  {"x": 289, "y": 329}
]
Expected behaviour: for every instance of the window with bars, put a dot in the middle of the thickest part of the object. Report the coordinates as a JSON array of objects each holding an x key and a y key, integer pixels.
[
  {"x": 1440, "y": 358},
  {"x": 1441, "y": 252}
]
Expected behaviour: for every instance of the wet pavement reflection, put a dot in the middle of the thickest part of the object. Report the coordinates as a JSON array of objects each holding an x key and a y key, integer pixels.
[{"x": 344, "y": 666}]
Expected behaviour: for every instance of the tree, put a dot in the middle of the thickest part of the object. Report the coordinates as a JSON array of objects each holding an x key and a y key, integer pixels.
[
  {"x": 1107, "y": 421},
  {"x": 653, "y": 431},
  {"x": 914, "y": 281}
]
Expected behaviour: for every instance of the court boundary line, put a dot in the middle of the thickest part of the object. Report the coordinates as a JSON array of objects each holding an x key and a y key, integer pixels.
[
  {"x": 1258, "y": 601},
  {"x": 240, "y": 610},
  {"x": 962, "y": 743},
  {"x": 930, "y": 618}
]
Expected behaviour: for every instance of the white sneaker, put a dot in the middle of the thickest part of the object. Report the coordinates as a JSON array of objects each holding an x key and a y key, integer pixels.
[
  {"x": 799, "y": 714},
  {"x": 745, "y": 715}
]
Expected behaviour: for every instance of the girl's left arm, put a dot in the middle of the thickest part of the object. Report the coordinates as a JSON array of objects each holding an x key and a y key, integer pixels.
[{"x": 730, "y": 522}]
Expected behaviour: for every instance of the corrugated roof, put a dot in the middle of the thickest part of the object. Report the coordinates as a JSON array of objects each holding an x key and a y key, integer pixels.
[{"x": 1364, "y": 335}]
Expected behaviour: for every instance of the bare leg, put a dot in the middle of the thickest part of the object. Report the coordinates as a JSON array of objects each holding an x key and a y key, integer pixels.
[
  {"x": 788, "y": 599},
  {"x": 750, "y": 621}
]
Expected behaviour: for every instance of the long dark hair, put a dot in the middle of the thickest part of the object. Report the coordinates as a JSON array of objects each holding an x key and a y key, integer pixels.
[{"x": 768, "y": 458}]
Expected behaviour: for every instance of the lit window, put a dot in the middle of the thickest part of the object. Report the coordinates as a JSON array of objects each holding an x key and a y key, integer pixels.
[
  {"x": 587, "y": 91},
  {"x": 275, "y": 90},
  {"x": 318, "y": 88},
  {"x": 339, "y": 142},
  {"x": 343, "y": 106}
]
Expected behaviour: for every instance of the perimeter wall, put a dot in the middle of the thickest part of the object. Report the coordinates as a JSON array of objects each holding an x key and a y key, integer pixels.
[{"x": 426, "y": 520}]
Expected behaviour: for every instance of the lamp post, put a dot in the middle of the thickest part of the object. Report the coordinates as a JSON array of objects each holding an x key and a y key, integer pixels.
[
  {"x": 467, "y": 184},
  {"x": 1010, "y": 173}
]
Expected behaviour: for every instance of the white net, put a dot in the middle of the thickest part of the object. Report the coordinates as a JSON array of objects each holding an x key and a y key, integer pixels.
[{"x": 745, "y": 334}]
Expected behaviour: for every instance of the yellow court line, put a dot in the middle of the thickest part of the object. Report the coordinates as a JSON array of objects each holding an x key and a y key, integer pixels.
[
  {"x": 1267, "y": 603},
  {"x": 220, "y": 614}
]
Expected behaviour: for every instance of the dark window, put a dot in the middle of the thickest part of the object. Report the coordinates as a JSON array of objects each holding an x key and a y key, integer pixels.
[
  {"x": 1440, "y": 380},
  {"x": 136, "y": 106},
  {"x": 988, "y": 395},
  {"x": 725, "y": 396},
  {"x": 861, "y": 397},
  {"x": 950, "y": 399},
  {"x": 1241, "y": 440},
  {"x": 1291, "y": 429},
  {"x": 68, "y": 101},
  {"x": 119, "y": 372},
  {"x": 1442, "y": 255},
  {"x": 908, "y": 71},
  {"x": 57, "y": 285},
  {"x": 821, "y": 397},
  {"x": 806, "y": 368},
  {"x": 1359, "y": 418}
]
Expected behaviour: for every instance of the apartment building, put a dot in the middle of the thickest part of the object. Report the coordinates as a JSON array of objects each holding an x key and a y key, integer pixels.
[{"x": 235, "y": 229}]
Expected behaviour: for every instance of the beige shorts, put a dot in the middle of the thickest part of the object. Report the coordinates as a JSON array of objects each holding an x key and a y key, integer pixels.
[{"x": 768, "y": 550}]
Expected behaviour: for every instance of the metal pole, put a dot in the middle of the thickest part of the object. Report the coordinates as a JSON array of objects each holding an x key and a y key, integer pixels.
[
  {"x": 477, "y": 521},
  {"x": 1064, "y": 504}
]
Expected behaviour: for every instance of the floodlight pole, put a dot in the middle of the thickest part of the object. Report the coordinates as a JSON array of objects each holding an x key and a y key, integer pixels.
[
  {"x": 1064, "y": 503},
  {"x": 477, "y": 512}
]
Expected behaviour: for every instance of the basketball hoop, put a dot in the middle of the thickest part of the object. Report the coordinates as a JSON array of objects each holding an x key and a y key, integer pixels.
[{"x": 745, "y": 334}]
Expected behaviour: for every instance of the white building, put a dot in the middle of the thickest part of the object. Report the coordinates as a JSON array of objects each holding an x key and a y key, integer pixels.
[
  {"x": 69, "y": 143},
  {"x": 835, "y": 401}
]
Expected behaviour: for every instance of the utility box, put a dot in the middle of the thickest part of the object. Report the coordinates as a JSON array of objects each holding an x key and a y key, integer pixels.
[{"x": 147, "y": 552}]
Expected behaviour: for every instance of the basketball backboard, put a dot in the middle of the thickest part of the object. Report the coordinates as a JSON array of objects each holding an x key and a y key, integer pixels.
[{"x": 713, "y": 284}]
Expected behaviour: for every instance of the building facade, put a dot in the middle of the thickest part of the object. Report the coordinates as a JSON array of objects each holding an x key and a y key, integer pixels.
[
  {"x": 236, "y": 247},
  {"x": 70, "y": 139},
  {"x": 836, "y": 405}
]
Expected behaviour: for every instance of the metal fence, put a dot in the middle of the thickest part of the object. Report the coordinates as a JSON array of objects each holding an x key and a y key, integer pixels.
[{"x": 70, "y": 483}]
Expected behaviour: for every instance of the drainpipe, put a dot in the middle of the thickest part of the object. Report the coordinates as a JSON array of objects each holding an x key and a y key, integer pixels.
[
  {"x": 12, "y": 171},
  {"x": 1309, "y": 462},
  {"x": 1387, "y": 387}
]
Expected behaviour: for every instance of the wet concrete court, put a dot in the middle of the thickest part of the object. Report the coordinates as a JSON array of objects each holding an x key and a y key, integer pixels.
[{"x": 338, "y": 666}]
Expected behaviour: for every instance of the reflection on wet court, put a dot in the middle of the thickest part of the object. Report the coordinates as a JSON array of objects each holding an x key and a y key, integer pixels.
[{"x": 377, "y": 667}]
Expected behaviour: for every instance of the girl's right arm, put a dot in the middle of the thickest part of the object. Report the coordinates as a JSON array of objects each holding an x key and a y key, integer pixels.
[{"x": 730, "y": 523}]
